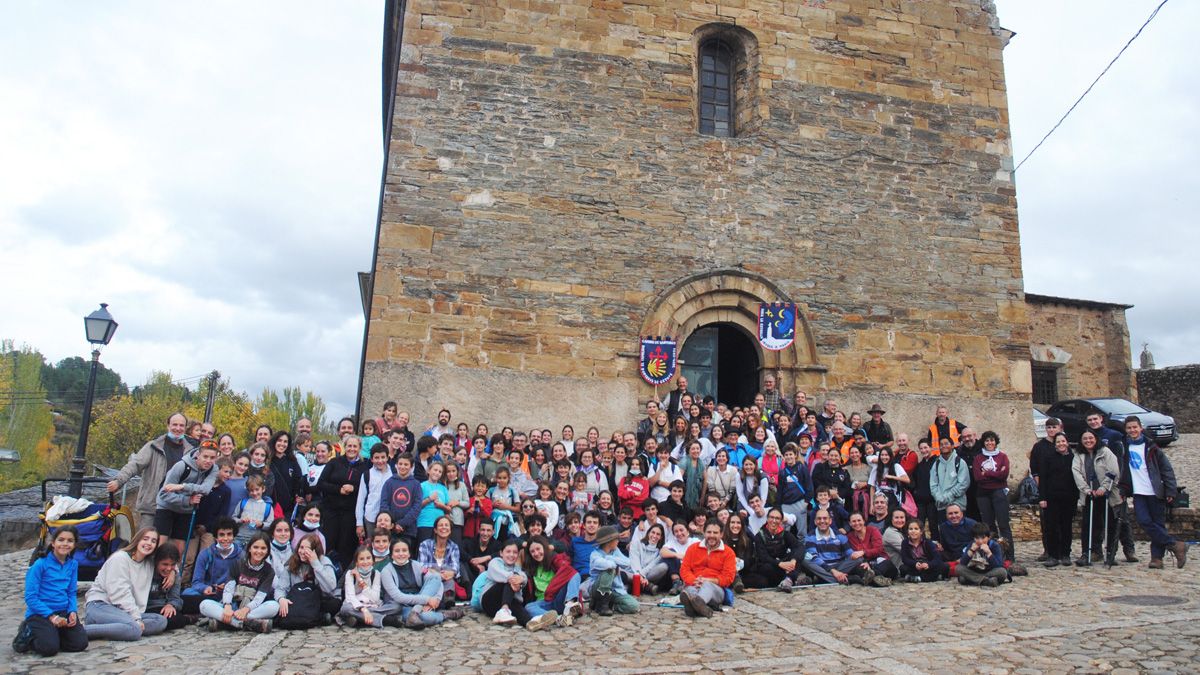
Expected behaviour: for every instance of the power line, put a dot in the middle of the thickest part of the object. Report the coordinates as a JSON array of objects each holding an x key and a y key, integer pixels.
[{"x": 1089, "y": 89}]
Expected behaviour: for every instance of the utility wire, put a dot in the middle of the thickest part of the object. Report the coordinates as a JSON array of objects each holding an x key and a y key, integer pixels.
[{"x": 1089, "y": 89}]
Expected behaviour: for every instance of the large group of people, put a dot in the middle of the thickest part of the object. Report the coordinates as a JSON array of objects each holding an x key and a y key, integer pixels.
[{"x": 387, "y": 526}]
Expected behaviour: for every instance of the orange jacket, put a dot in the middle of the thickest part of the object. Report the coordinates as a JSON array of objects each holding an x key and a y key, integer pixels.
[{"x": 720, "y": 564}]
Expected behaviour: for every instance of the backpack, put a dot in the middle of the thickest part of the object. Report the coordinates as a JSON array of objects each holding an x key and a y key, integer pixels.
[
  {"x": 270, "y": 507},
  {"x": 1027, "y": 491},
  {"x": 304, "y": 606}
]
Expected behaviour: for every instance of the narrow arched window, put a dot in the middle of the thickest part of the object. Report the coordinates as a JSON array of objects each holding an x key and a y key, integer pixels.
[{"x": 716, "y": 88}]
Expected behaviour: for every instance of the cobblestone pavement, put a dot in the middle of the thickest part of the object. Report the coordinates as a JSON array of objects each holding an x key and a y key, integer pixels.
[{"x": 1051, "y": 621}]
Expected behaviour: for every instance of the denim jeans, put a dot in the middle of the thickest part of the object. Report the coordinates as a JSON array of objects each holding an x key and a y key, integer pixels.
[
  {"x": 1151, "y": 514},
  {"x": 103, "y": 621},
  {"x": 215, "y": 611},
  {"x": 559, "y": 602}
]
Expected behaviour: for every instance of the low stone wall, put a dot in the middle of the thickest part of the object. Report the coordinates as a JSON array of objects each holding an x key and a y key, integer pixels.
[
  {"x": 1173, "y": 391},
  {"x": 1026, "y": 525}
]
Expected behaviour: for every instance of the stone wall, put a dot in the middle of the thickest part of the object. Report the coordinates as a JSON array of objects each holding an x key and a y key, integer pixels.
[
  {"x": 547, "y": 196},
  {"x": 1087, "y": 341},
  {"x": 1026, "y": 525},
  {"x": 1173, "y": 391}
]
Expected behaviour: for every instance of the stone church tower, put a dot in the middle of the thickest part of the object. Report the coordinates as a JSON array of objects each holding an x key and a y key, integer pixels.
[{"x": 564, "y": 176}]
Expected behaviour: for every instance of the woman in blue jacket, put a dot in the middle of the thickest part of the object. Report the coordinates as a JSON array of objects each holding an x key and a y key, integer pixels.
[{"x": 51, "y": 616}]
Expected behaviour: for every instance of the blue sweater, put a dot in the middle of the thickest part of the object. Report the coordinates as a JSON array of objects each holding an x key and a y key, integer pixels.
[
  {"x": 827, "y": 552},
  {"x": 50, "y": 586},
  {"x": 401, "y": 498},
  {"x": 581, "y": 555},
  {"x": 211, "y": 569}
]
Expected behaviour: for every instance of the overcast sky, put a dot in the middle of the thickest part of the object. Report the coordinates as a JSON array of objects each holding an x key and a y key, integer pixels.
[{"x": 211, "y": 170}]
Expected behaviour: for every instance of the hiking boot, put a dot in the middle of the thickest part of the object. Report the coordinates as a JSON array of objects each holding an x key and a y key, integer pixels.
[
  {"x": 1050, "y": 562},
  {"x": 990, "y": 582},
  {"x": 1045, "y": 557},
  {"x": 503, "y": 617},
  {"x": 452, "y": 614},
  {"x": 1065, "y": 561},
  {"x": 573, "y": 609},
  {"x": 566, "y": 620},
  {"x": 868, "y": 576},
  {"x": 804, "y": 580},
  {"x": 1180, "y": 551},
  {"x": 1110, "y": 560},
  {"x": 392, "y": 620},
  {"x": 1084, "y": 561},
  {"x": 348, "y": 621},
  {"x": 1156, "y": 563},
  {"x": 1129, "y": 556},
  {"x": 257, "y": 625},
  {"x": 23, "y": 642},
  {"x": 785, "y": 585},
  {"x": 881, "y": 581},
  {"x": 738, "y": 586},
  {"x": 699, "y": 606},
  {"x": 213, "y": 625},
  {"x": 544, "y": 621},
  {"x": 414, "y": 621},
  {"x": 1097, "y": 556},
  {"x": 677, "y": 587},
  {"x": 685, "y": 599}
]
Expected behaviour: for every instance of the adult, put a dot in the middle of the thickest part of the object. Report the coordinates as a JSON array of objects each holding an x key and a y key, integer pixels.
[
  {"x": 1041, "y": 452},
  {"x": 387, "y": 418},
  {"x": 673, "y": 401},
  {"x": 1097, "y": 471},
  {"x": 152, "y": 462},
  {"x": 1147, "y": 474},
  {"x": 949, "y": 480},
  {"x": 439, "y": 555},
  {"x": 830, "y": 559},
  {"x": 944, "y": 426},
  {"x": 922, "y": 489},
  {"x": 828, "y": 411},
  {"x": 955, "y": 532},
  {"x": 720, "y": 479},
  {"x": 554, "y": 584},
  {"x": 708, "y": 569},
  {"x": 879, "y": 433},
  {"x": 795, "y": 486},
  {"x": 116, "y": 602},
  {"x": 867, "y": 543},
  {"x": 1115, "y": 441},
  {"x": 990, "y": 472},
  {"x": 645, "y": 427},
  {"x": 773, "y": 399},
  {"x": 888, "y": 478},
  {"x": 645, "y": 557},
  {"x": 442, "y": 426},
  {"x": 288, "y": 474},
  {"x": 968, "y": 449},
  {"x": 1057, "y": 496},
  {"x": 777, "y": 555},
  {"x": 338, "y": 485}
]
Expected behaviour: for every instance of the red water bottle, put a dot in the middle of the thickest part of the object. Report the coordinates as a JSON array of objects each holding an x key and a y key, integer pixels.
[{"x": 637, "y": 585}]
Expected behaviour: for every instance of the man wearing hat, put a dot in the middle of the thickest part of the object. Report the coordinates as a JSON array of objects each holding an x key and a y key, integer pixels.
[
  {"x": 607, "y": 564},
  {"x": 879, "y": 433}
]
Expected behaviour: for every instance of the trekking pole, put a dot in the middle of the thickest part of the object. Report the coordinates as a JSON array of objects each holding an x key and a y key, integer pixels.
[
  {"x": 1110, "y": 552},
  {"x": 1085, "y": 560},
  {"x": 187, "y": 543}
]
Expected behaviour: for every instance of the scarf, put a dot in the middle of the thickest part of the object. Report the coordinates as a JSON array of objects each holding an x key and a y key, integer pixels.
[{"x": 693, "y": 479}]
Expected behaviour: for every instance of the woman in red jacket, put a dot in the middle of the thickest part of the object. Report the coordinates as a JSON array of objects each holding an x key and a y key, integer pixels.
[
  {"x": 867, "y": 543},
  {"x": 634, "y": 488}
]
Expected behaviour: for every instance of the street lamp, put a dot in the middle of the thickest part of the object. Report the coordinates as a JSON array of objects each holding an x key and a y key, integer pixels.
[{"x": 99, "y": 327}]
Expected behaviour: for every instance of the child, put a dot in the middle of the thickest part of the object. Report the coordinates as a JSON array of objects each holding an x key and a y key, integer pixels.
[
  {"x": 254, "y": 511},
  {"x": 370, "y": 492},
  {"x": 237, "y": 483},
  {"x": 383, "y": 523},
  {"x": 380, "y": 548},
  {"x": 608, "y": 565},
  {"x": 479, "y": 508},
  {"x": 503, "y": 589},
  {"x": 184, "y": 486},
  {"x": 921, "y": 560},
  {"x": 673, "y": 508},
  {"x": 51, "y": 605},
  {"x": 164, "y": 595},
  {"x": 244, "y": 602},
  {"x": 581, "y": 500},
  {"x": 212, "y": 506},
  {"x": 363, "y": 583},
  {"x": 505, "y": 506},
  {"x": 310, "y": 523},
  {"x": 213, "y": 567},
  {"x": 825, "y": 502},
  {"x": 416, "y": 594},
  {"x": 982, "y": 563},
  {"x": 625, "y": 529}
]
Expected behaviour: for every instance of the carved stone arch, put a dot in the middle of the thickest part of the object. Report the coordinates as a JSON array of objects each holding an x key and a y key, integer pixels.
[{"x": 732, "y": 296}]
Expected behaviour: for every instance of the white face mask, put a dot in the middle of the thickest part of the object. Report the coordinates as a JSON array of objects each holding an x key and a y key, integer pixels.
[{"x": 312, "y": 524}]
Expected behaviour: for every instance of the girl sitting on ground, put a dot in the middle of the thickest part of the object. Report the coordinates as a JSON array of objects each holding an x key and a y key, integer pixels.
[
  {"x": 116, "y": 602},
  {"x": 244, "y": 602},
  {"x": 51, "y": 605}
]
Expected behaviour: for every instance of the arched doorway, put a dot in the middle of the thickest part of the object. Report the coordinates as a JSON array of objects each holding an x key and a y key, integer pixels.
[{"x": 722, "y": 361}]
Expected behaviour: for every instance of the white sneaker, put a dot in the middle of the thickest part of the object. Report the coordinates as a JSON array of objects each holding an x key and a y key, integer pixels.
[
  {"x": 504, "y": 617},
  {"x": 544, "y": 621},
  {"x": 573, "y": 609}
]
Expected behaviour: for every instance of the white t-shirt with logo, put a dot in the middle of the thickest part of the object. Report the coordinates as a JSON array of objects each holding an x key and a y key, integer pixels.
[{"x": 1138, "y": 471}]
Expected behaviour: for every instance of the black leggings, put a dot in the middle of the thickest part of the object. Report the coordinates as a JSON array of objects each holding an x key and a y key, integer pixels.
[
  {"x": 1058, "y": 517},
  {"x": 49, "y": 640},
  {"x": 502, "y": 594}
]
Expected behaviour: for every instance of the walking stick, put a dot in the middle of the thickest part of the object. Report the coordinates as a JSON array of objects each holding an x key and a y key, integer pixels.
[
  {"x": 1110, "y": 551},
  {"x": 1085, "y": 560},
  {"x": 187, "y": 544}
]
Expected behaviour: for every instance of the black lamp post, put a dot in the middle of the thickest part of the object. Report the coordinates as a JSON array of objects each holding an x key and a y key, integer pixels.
[{"x": 99, "y": 327}]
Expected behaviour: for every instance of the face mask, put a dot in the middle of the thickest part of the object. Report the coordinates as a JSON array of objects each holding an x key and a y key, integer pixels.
[
  {"x": 257, "y": 465},
  {"x": 378, "y": 554},
  {"x": 175, "y": 437},
  {"x": 224, "y": 549},
  {"x": 635, "y": 471},
  {"x": 280, "y": 547},
  {"x": 312, "y": 524},
  {"x": 363, "y": 571}
]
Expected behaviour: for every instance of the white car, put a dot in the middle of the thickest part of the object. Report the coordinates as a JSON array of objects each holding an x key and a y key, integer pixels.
[{"x": 1039, "y": 423}]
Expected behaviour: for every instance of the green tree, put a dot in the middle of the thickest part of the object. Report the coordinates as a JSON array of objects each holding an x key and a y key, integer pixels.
[
  {"x": 26, "y": 419},
  {"x": 66, "y": 382},
  {"x": 282, "y": 410}
]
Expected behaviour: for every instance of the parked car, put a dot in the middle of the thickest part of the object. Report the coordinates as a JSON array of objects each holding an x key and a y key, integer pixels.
[
  {"x": 1073, "y": 412},
  {"x": 1039, "y": 423}
]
